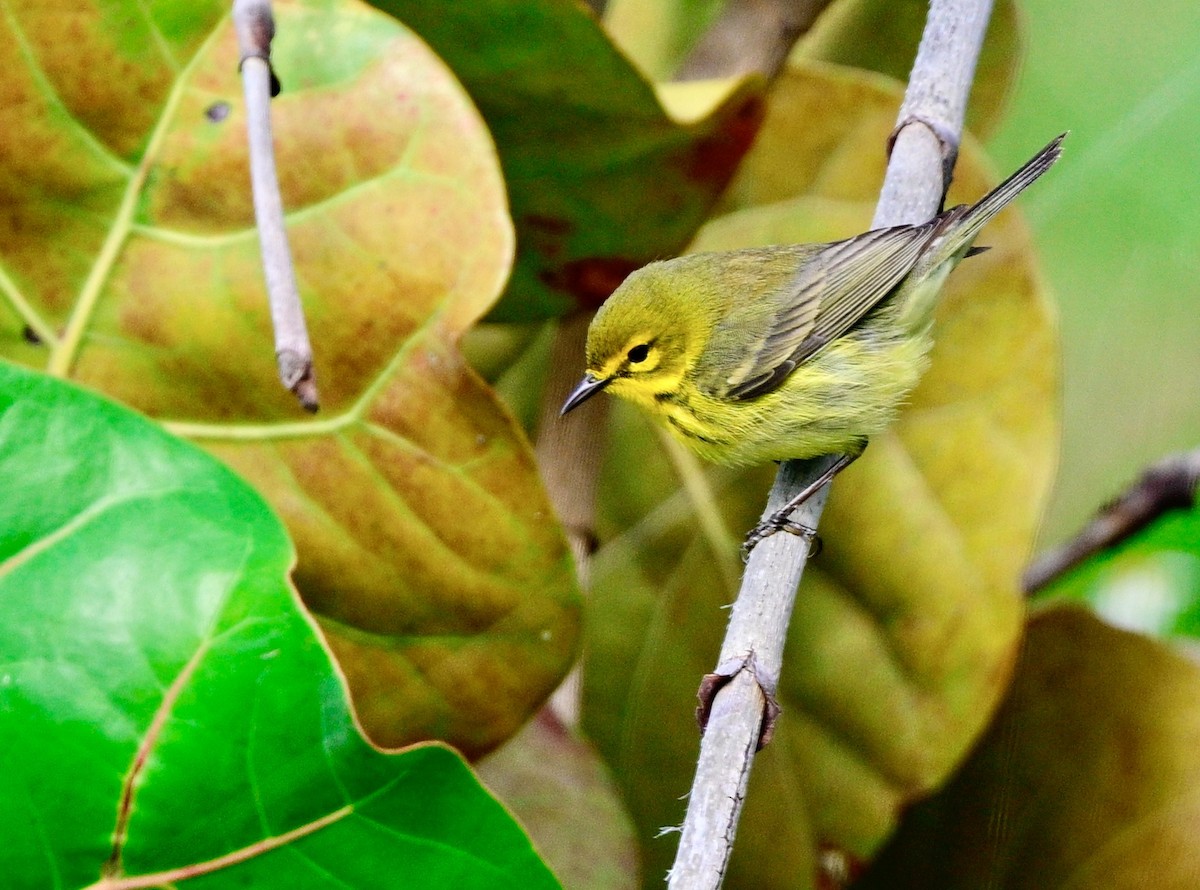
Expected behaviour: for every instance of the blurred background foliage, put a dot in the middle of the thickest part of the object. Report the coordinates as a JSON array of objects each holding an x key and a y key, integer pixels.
[{"x": 1117, "y": 232}]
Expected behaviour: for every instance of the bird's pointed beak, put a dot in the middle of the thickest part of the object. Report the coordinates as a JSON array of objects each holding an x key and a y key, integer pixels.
[{"x": 588, "y": 387}]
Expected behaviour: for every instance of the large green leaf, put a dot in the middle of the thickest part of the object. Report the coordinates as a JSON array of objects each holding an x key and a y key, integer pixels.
[
  {"x": 426, "y": 544},
  {"x": 906, "y": 625},
  {"x": 601, "y": 179},
  {"x": 1088, "y": 779},
  {"x": 166, "y": 705}
]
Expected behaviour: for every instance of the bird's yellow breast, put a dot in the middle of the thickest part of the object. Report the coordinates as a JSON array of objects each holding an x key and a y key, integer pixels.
[{"x": 830, "y": 404}]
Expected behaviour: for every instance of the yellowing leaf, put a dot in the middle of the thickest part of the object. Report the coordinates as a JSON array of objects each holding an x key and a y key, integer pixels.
[
  {"x": 658, "y": 34},
  {"x": 426, "y": 545},
  {"x": 1087, "y": 779},
  {"x": 906, "y": 625}
]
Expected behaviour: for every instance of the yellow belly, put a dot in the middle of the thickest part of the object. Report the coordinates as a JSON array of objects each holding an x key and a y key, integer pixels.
[{"x": 831, "y": 404}]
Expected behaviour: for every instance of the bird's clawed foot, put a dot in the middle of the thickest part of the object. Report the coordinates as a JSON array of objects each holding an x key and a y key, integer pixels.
[{"x": 781, "y": 521}]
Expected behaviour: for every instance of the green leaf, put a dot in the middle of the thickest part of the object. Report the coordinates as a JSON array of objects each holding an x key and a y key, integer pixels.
[
  {"x": 601, "y": 179},
  {"x": 1088, "y": 777},
  {"x": 906, "y": 625},
  {"x": 883, "y": 35},
  {"x": 166, "y": 705},
  {"x": 426, "y": 544}
]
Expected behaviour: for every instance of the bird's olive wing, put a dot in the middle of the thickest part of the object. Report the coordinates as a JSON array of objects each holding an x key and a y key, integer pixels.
[{"x": 829, "y": 293}]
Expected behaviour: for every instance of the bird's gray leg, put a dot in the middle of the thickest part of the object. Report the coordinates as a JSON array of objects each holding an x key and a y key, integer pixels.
[{"x": 780, "y": 520}]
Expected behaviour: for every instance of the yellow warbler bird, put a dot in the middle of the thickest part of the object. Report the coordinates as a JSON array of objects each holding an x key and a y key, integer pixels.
[{"x": 785, "y": 352}]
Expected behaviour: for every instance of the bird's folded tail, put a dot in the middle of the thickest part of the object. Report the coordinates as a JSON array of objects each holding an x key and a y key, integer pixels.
[{"x": 963, "y": 223}]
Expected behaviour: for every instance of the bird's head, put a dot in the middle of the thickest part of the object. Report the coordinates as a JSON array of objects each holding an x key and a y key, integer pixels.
[{"x": 637, "y": 344}]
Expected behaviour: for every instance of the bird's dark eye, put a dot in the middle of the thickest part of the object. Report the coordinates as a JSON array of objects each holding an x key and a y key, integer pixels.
[{"x": 638, "y": 353}]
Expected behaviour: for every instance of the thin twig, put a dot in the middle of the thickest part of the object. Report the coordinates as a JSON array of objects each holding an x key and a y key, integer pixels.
[
  {"x": 1170, "y": 484},
  {"x": 750, "y": 37},
  {"x": 255, "y": 28},
  {"x": 925, "y": 144}
]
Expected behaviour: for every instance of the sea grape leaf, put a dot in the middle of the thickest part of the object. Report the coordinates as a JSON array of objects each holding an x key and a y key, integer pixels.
[
  {"x": 906, "y": 625},
  {"x": 1088, "y": 777},
  {"x": 427, "y": 547},
  {"x": 600, "y": 178},
  {"x": 883, "y": 35},
  {"x": 170, "y": 715},
  {"x": 556, "y": 784}
]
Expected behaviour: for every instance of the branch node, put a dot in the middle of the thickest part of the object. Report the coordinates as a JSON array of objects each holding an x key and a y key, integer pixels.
[
  {"x": 255, "y": 26},
  {"x": 276, "y": 86},
  {"x": 712, "y": 684},
  {"x": 946, "y": 135}
]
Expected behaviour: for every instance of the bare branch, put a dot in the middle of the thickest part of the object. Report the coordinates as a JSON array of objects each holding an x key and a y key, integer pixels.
[
  {"x": 924, "y": 145},
  {"x": 255, "y": 28},
  {"x": 1170, "y": 484}
]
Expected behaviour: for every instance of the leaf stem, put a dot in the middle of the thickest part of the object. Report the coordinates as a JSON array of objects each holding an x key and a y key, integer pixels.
[
  {"x": 40, "y": 328},
  {"x": 924, "y": 146},
  {"x": 703, "y": 498},
  {"x": 66, "y": 350}
]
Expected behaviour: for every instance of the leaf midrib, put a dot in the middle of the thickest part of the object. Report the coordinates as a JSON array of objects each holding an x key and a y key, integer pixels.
[{"x": 65, "y": 351}]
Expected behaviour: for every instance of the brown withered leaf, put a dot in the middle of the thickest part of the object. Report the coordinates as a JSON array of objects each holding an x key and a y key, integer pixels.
[{"x": 559, "y": 789}]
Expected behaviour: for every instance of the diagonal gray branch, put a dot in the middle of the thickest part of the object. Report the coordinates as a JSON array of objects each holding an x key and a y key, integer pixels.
[
  {"x": 924, "y": 147},
  {"x": 255, "y": 28}
]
